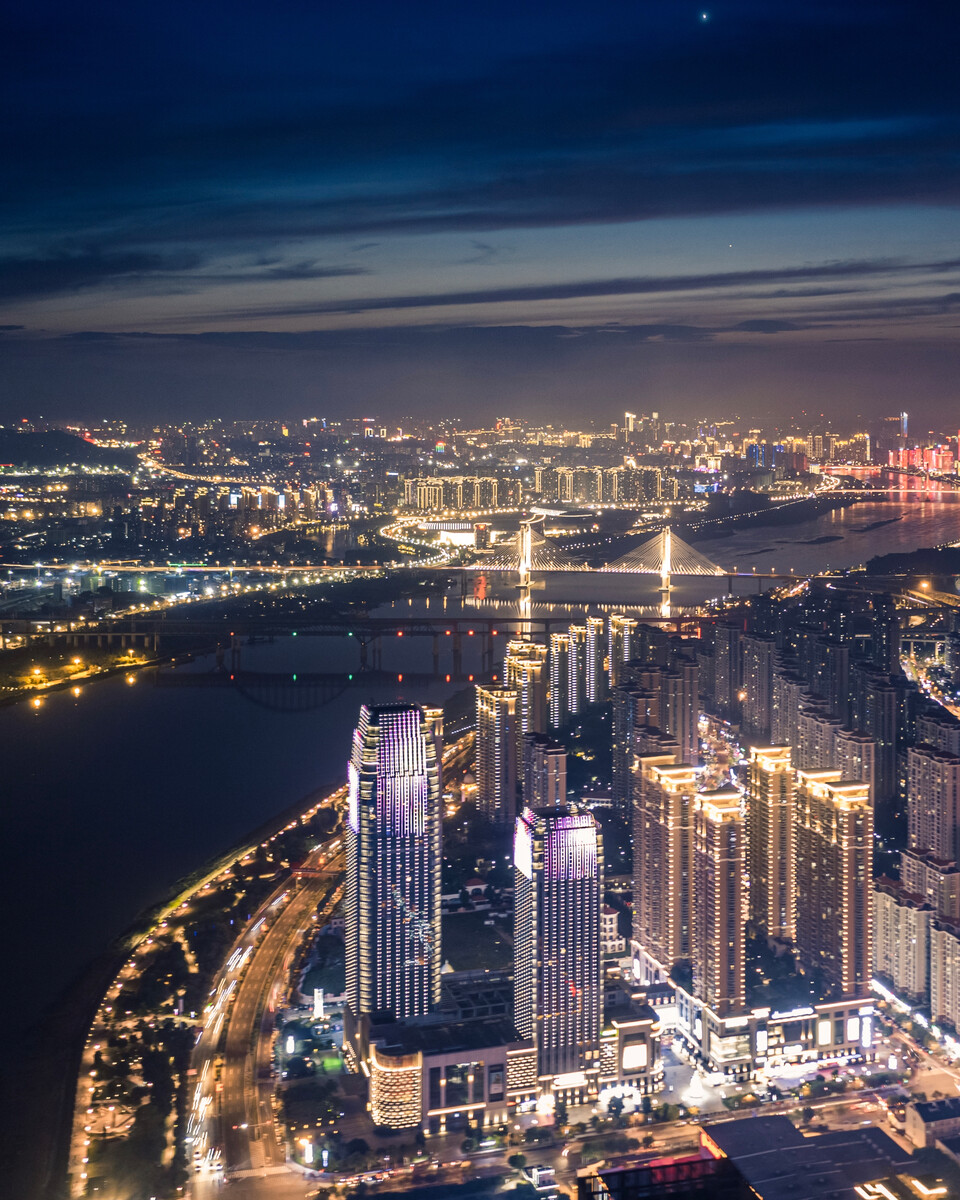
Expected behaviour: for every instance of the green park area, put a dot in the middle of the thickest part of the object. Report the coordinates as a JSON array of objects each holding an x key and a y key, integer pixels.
[{"x": 326, "y": 967}]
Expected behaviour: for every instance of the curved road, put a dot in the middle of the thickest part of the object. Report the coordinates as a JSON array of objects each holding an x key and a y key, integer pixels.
[
  {"x": 232, "y": 1106},
  {"x": 232, "y": 1099}
]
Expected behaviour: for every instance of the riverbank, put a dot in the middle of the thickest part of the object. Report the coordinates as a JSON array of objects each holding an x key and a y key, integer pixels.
[
  {"x": 39, "y": 1109},
  {"x": 35, "y": 692},
  {"x": 791, "y": 513}
]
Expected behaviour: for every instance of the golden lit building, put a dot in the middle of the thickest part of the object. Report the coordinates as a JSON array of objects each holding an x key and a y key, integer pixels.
[
  {"x": 497, "y": 752},
  {"x": 525, "y": 672},
  {"x": 771, "y": 844},
  {"x": 443, "y": 1076},
  {"x": 834, "y": 829},
  {"x": 718, "y": 907},
  {"x": 664, "y": 795}
]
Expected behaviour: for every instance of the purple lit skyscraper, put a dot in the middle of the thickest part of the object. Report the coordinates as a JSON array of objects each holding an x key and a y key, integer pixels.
[
  {"x": 558, "y": 993},
  {"x": 392, "y": 908}
]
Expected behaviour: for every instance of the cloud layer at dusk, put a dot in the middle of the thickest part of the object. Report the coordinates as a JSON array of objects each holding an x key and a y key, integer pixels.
[{"x": 664, "y": 195}]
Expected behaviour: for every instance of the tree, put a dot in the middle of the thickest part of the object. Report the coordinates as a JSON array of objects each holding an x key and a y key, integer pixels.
[
  {"x": 807, "y": 1113},
  {"x": 615, "y": 1106},
  {"x": 647, "y": 1141},
  {"x": 517, "y": 1161}
]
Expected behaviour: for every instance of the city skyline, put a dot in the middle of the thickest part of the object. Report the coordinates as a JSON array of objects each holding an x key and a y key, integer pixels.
[{"x": 480, "y": 600}]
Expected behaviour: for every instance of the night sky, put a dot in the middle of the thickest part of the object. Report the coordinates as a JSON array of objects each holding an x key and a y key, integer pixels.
[{"x": 304, "y": 207}]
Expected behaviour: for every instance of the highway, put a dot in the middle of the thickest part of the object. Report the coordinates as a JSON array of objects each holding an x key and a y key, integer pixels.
[
  {"x": 232, "y": 1133},
  {"x": 232, "y": 1126}
]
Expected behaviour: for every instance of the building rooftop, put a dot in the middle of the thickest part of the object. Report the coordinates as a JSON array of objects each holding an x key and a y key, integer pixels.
[
  {"x": 946, "y": 1109},
  {"x": 430, "y": 1037},
  {"x": 780, "y": 1163}
]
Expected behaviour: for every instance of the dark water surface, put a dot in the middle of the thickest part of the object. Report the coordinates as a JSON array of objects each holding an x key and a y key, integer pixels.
[
  {"x": 929, "y": 515},
  {"x": 110, "y": 797}
]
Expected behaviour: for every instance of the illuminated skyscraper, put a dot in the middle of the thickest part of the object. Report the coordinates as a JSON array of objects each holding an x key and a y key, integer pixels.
[
  {"x": 856, "y": 758},
  {"x": 596, "y": 676},
  {"x": 757, "y": 687},
  {"x": 544, "y": 772},
  {"x": 901, "y": 939},
  {"x": 619, "y": 634},
  {"x": 935, "y": 880},
  {"x": 392, "y": 907},
  {"x": 771, "y": 845},
  {"x": 834, "y": 875},
  {"x": 525, "y": 671},
  {"x": 664, "y": 795},
  {"x": 718, "y": 910},
  {"x": 497, "y": 752},
  {"x": 677, "y": 691},
  {"x": 933, "y": 802},
  {"x": 879, "y": 710},
  {"x": 632, "y": 708},
  {"x": 788, "y": 691},
  {"x": 885, "y": 643},
  {"x": 559, "y": 678},
  {"x": 727, "y": 669},
  {"x": 577, "y": 668},
  {"x": 558, "y": 898}
]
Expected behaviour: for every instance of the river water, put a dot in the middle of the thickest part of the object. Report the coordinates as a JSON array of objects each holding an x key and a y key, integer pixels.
[
  {"x": 929, "y": 515},
  {"x": 112, "y": 796}
]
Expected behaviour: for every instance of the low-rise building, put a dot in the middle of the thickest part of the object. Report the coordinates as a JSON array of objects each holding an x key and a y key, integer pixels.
[
  {"x": 930, "y": 1120},
  {"x": 630, "y": 1046},
  {"x": 832, "y": 1032},
  {"x": 611, "y": 943},
  {"x": 441, "y": 1076}
]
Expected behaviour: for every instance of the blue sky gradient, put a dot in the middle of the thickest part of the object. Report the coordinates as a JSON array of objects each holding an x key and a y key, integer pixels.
[{"x": 435, "y": 208}]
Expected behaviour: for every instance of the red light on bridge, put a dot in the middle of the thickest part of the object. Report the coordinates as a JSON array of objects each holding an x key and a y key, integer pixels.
[
  {"x": 448, "y": 679},
  {"x": 399, "y": 679},
  {"x": 399, "y": 633},
  {"x": 494, "y": 679},
  {"x": 493, "y": 633},
  {"x": 469, "y": 679},
  {"x": 470, "y": 632},
  {"x": 447, "y": 632}
]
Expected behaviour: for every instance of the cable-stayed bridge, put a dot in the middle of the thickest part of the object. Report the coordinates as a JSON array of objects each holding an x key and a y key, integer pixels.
[
  {"x": 530, "y": 550},
  {"x": 665, "y": 554}
]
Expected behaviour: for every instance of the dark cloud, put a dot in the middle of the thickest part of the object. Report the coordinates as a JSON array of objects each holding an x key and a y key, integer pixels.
[
  {"x": 253, "y": 151},
  {"x": 761, "y": 325},
  {"x": 73, "y": 272},
  {"x": 588, "y": 288},
  {"x": 23, "y": 278},
  {"x": 609, "y": 115}
]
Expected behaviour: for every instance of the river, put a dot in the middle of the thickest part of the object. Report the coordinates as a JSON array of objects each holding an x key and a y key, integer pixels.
[
  {"x": 114, "y": 795},
  {"x": 846, "y": 537}
]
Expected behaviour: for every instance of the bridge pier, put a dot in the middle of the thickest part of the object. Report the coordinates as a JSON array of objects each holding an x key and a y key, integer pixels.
[
  {"x": 363, "y": 654},
  {"x": 436, "y": 654},
  {"x": 457, "y": 653}
]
